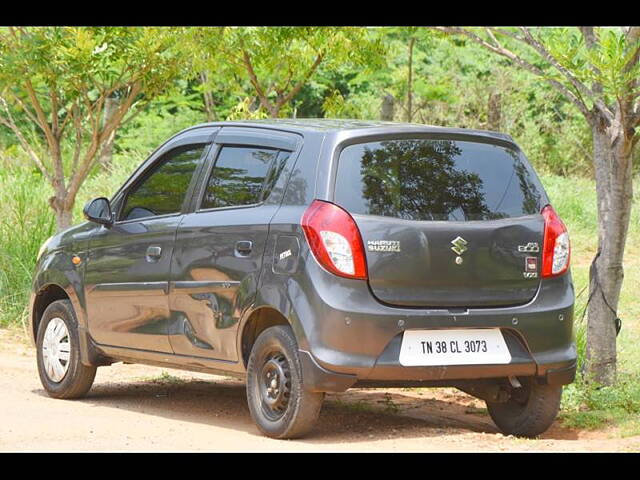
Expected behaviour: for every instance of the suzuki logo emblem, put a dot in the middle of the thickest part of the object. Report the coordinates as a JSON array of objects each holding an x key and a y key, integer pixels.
[{"x": 459, "y": 245}]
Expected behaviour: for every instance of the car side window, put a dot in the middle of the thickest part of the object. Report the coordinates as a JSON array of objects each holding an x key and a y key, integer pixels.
[
  {"x": 163, "y": 190},
  {"x": 274, "y": 173},
  {"x": 240, "y": 176}
]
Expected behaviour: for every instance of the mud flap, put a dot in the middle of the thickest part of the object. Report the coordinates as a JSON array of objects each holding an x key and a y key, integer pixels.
[
  {"x": 318, "y": 379},
  {"x": 89, "y": 354}
]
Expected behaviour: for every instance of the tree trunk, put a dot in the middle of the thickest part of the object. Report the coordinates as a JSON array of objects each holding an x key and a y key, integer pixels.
[
  {"x": 63, "y": 220},
  {"x": 387, "y": 109},
  {"x": 275, "y": 111},
  {"x": 494, "y": 111},
  {"x": 208, "y": 97},
  {"x": 111, "y": 105},
  {"x": 63, "y": 212},
  {"x": 612, "y": 155},
  {"x": 410, "y": 82}
]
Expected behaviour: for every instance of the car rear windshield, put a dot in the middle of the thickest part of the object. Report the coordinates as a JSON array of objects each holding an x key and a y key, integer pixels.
[{"x": 436, "y": 179}]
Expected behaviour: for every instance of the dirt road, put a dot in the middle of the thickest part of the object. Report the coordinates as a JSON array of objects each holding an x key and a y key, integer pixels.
[{"x": 140, "y": 408}]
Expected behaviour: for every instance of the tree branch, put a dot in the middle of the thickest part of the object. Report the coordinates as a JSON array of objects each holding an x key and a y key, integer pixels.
[
  {"x": 54, "y": 112},
  {"x": 65, "y": 120},
  {"x": 578, "y": 85},
  {"x": 632, "y": 35},
  {"x": 571, "y": 96},
  {"x": 507, "y": 33},
  {"x": 26, "y": 110},
  {"x": 97, "y": 139},
  {"x": 591, "y": 41},
  {"x": 304, "y": 80},
  {"x": 633, "y": 41},
  {"x": 253, "y": 78},
  {"x": 42, "y": 118},
  {"x": 635, "y": 121},
  {"x": 10, "y": 123},
  {"x": 77, "y": 123}
]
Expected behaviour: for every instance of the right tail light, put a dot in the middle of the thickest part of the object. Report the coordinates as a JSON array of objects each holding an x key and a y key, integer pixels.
[{"x": 556, "y": 249}]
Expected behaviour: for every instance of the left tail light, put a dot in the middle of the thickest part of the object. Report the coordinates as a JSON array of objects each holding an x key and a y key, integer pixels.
[{"x": 335, "y": 240}]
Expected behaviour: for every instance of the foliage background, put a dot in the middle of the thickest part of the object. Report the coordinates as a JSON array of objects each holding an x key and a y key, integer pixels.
[{"x": 452, "y": 83}]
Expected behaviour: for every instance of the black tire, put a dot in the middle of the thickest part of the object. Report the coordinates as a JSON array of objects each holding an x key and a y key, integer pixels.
[
  {"x": 78, "y": 377},
  {"x": 530, "y": 411},
  {"x": 289, "y": 410}
]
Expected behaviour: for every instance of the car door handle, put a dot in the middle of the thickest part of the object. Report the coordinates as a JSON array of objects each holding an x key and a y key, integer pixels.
[
  {"x": 243, "y": 248},
  {"x": 154, "y": 252}
]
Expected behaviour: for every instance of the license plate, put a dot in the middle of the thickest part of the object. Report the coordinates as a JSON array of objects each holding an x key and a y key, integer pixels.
[{"x": 453, "y": 347}]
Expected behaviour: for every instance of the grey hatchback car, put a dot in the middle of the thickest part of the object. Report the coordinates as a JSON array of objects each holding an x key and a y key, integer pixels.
[{"x": 311, "y": 256}]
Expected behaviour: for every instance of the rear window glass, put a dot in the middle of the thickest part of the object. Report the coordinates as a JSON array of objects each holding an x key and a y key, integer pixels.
[{"x": 429, "y": 179}]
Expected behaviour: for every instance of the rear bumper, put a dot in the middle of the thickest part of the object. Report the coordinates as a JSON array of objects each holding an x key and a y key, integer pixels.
[
  {"x": 347, "y": 338},
  {"x": 389, "y": 373},
  {"x": 388, "y": 369}
]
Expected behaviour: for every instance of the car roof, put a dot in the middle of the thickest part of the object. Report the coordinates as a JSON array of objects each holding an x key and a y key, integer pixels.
[{"x": 326, "y": 126}]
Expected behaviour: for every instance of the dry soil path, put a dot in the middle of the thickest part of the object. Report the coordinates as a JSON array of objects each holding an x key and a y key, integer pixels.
[{"x": 140, "y": 408}]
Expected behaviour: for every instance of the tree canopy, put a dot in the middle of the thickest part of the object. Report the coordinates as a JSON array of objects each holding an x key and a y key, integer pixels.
[{"x": 54, "y": 82}]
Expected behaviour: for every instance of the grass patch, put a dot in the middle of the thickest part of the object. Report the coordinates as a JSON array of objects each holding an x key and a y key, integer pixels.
[
  {"x": 389, "y": 405},
  {"x": 28, "y": 220},
  {"x": 586, "y": 405},
  {"x": 166, "y": 378},
  {"x": 359, "y": 406},
  {"x": 591, "y": 406}
]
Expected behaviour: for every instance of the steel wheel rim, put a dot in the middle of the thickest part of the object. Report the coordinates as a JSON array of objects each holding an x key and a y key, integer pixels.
[
  {"x": 274, "y": 385},
  {"x": 56, "y": 350}
]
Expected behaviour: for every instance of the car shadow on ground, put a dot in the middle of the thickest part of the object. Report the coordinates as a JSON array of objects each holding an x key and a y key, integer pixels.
[{"x": 357, "y": 415}]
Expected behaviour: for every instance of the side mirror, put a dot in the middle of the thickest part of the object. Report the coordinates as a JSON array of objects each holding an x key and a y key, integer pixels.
[{"x": 98, "y": 210}]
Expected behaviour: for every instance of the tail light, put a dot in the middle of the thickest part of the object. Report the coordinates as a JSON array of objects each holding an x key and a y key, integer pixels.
[
  {"x": 556, "y": 249},
  {"x": 335, "y": 240}
]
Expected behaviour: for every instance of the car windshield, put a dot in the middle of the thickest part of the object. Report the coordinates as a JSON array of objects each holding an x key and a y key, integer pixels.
[{"x": 436, "y": 179}]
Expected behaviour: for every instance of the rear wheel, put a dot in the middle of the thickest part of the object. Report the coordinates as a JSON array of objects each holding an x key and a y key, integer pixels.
[
  {"x": 530, "y": 411},
  {"x": 278, "y": 401},
  {"x": 61, "y": 372}
]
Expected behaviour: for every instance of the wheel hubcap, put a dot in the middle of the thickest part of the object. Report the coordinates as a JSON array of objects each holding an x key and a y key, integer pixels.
[
  {"x": 56, "y": 350},
  {"x": 275, "y": 386}
]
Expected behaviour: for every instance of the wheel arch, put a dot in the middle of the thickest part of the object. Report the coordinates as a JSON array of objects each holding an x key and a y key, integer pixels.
[
  {"x": 45, "y": 296},
  {"x": 258, "y": 321}
]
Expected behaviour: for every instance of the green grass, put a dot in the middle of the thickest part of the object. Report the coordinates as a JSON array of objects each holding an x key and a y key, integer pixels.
[
  {"x": 591, "y": 406},
  {"x": 359, "y": 406},
  {"x": 165, "y": 378},
  {"x": 27, "y": 221},
  {"x": 587, "y": 405},
  {"x": 389, "y": 404}
]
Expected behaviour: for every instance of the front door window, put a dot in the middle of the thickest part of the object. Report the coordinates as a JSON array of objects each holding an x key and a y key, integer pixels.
[{"x": 162, "y": 191}]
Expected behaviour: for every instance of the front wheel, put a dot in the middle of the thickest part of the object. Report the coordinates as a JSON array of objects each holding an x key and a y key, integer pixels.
[
  {"x": 530, "y": 411},
  {"x": 278, "y": 402},
  {"x": 61, "y": 372}
]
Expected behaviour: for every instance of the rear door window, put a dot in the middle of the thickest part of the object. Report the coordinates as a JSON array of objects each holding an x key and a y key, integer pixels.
[
  {"x": 436, "y": 179},
  {"x": 242, "y": 176}
]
